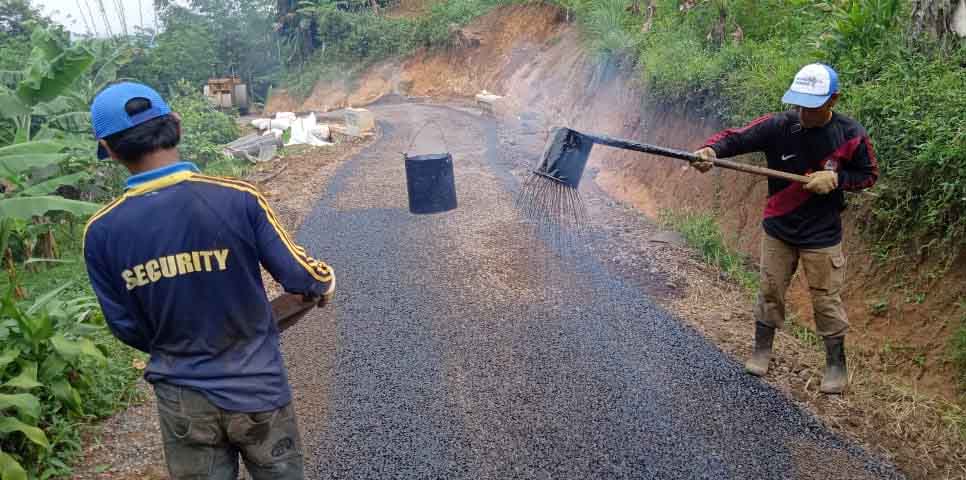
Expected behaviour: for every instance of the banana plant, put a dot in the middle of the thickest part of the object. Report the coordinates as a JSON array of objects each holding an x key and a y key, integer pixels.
[
  {"x": 67, "y": 114},
  {"x": 42, "y": 89},
  {"x": 52, "y": 69}
]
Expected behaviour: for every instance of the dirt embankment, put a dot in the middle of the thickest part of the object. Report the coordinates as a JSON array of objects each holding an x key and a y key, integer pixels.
[{"x": 902, "y": 317}]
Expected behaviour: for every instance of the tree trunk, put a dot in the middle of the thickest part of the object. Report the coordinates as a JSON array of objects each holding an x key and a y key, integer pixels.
[
  {"x": 649, "y": 16},
  {"x": 18, "y": 291},
  {"x": 935, "y": 18}
]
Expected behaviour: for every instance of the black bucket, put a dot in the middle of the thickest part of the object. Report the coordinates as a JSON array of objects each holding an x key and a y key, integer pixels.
[{"x": 431, "y": 183}]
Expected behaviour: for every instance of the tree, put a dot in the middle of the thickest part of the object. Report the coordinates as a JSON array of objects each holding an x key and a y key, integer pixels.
[
  {"x": 17, "y": 18},
  {"x": 934, "y": 18},
  {"x": 201, "y": 39}
]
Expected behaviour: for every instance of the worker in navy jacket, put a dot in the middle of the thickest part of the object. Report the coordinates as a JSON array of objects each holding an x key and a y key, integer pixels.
[
  {"x": 175, "y": 263},
  {"x": 803, "y": 222}
]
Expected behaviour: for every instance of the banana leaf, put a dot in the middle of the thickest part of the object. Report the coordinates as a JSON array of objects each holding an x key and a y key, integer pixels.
[
  {"x": 11, "y": 106},
  {"x": 66, "y": 393},
  {"x": 61, "y": 104},
  {"x": 24, "y": 403},
  {"x": 7, "y": 357},
  {"x": 34, "y": 434},
  {"x": 50, "y": 186},
  {"x": 71, "y": 121},
  {"x": 52, "y": 69},
  {"x": 10, "y": 469},
  {"x": 29, "y": 207},
  {"x": 27, "y": 379},
  {"x": 29, "y": 148},
  {"x": 21, "y": 163},
  {"x": 10, "y": 78}
]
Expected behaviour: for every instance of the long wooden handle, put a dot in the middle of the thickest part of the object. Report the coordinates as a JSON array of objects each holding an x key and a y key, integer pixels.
[
  {"x": 690, "y": 157},
  {"x": 744, "y": 167}
]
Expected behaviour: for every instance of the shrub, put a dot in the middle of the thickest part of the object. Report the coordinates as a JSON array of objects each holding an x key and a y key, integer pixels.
[
  {"x": 49, "y": 368},
  {"x": 204, "y": 129},
  {"x": 351, "y": 39},
  {"x": 702, "y": 232},
  {"x": 909, "y": 99}
]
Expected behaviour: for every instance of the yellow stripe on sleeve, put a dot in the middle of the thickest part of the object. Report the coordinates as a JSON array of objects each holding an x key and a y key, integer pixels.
[{"x": 318, "y": 269}]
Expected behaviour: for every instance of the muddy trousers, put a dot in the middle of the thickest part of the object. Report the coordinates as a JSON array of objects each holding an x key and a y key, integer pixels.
[
  {"x": 825, "y": 273},
  {"x": 202, "y": 441}
]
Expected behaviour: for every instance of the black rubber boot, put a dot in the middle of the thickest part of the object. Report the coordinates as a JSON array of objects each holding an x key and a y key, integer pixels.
[
  {"x": 836, "y": 373},
  {"x": 757, "y": 365}
]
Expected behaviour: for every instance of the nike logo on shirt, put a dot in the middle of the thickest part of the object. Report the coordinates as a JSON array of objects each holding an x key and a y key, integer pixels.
[{"x": 788, "y": 157}]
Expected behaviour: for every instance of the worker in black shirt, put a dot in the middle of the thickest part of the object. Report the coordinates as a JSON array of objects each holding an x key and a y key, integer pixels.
[{"x": 803, "y": 221}]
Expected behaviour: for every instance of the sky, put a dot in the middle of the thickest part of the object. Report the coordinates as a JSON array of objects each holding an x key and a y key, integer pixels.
[{"x": 85, "y": 16}]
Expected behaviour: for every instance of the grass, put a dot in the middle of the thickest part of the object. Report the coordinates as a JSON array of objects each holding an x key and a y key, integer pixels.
[
  {"x": 957, "y": 345},
  {"x": 733, "y": 59},
  {"x": 229, "y": 167},
  {"x": 702, "y": 232},
  {"x": 804, "y": 334},
  {"x": 354, "y": 40}
]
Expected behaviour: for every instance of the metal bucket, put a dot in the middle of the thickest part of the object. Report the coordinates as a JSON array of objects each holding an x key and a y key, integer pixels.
[
  {"x": 565, "y": 156},
  {"x": 431, "y": 183}
]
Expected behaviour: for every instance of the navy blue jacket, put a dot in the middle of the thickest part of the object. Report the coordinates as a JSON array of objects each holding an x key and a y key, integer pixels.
[{"x": 175, "y": 265}]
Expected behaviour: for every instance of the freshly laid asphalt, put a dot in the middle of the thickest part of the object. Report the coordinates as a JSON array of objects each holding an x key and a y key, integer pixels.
[{"x": 467, "y": 345}]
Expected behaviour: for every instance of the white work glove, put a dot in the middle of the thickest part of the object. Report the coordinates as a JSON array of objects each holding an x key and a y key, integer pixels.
[
  {"x": 822, "y": 182},
  {"x": 707, "y": 156}
]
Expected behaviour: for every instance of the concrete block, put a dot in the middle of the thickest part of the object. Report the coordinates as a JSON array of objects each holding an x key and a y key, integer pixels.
[{"x": 359, "y": 121}]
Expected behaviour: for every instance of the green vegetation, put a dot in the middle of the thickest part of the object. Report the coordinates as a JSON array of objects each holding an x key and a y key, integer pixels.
[
  {"x": 734, "y": 59},
  {"x": 204, "y": 128},
  {"x": 804, "y": 334},
  {"x": 957, "y": 344},
  {"x": 202, "y": 39},
  {"x": 347, "y": 37},
  {"x": 701, "y": 231},
  {"x": 60, "y": 368}
]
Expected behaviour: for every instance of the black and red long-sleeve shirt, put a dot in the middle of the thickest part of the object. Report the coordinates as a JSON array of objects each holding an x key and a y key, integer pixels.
[{"x": 793, "y": 214}]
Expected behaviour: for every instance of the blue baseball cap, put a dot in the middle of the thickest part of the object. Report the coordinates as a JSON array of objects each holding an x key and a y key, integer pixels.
[
  {"x": 813, "y": 86},
  {"x": 108, "y": 115}
]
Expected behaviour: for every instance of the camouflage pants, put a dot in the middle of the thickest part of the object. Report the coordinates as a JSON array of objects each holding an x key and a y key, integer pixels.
[
  {"x": 202, "y": 441},
  {"x": 825, "y": 273}
]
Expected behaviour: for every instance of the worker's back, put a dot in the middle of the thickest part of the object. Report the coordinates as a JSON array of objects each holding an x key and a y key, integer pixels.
[{"x": 182, "y": 254}]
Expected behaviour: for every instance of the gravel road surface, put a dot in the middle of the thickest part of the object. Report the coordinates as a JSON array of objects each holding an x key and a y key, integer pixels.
[{"x": 468, "y": 345}]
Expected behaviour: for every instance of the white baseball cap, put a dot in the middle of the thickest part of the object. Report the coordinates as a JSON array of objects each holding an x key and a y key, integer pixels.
[{"x": 813, "y": 86}]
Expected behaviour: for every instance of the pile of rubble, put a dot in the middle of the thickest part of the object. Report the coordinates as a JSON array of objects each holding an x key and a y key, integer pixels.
[{"x": 287, "y": 129}]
